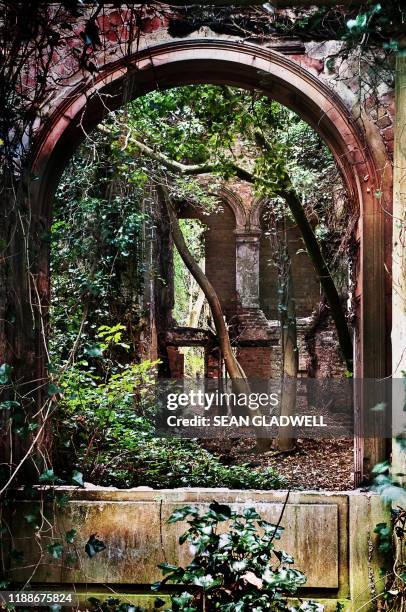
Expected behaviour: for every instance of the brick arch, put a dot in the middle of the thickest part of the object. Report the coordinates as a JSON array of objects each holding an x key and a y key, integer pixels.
[
  {"x": 256, "y": 212},
  {"x": 235, "y": 203},
  {"x": 277, "y": 76}
]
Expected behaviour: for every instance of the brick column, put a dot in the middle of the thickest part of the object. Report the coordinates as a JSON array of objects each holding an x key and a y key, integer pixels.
[{"x": 247, "y": 267}]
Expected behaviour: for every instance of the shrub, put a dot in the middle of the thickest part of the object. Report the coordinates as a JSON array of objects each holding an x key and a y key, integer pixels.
[
  {"x": 105, "y": 431},
  {"x": 235, "y": 567}
]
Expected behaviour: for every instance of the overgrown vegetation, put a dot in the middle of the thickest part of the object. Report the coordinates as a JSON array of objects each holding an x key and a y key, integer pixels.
[
  {"x": 104, "y": 277},
  {"x": 105, "y": 431},
  {"x": 236, "y": 567}
]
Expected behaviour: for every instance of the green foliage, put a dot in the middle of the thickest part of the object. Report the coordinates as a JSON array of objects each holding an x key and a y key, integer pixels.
[
  {"x": 107, "y": 429},
  {"x": 97, "y": 257},
  {"x": 391, "y": 535},
  {"x": 5, "y": 373},
  {"x": 202, "y": 123},
  {"x": 112, "y": 604},
  {"x": 185, "y": 287},
  {"x": 388, "y": 485},
  {"x": 384, "y": 532},
  {"x": 377, "y": 24},
  {"x": 94, "y": 546},
  {"x": 231, "y": 127},
  {"x": 236, "y": 567},
  {"x": 55, "y": 550}
]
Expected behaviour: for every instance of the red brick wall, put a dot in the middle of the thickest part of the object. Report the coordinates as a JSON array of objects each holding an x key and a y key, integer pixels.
[
  {"x": 256, "y": 361},
  {"x": 176, "y": 362},
  {"x": 219, "y": 253},
  {"x": 305, "y": 284},
  {"x": 329, "y": 363}
]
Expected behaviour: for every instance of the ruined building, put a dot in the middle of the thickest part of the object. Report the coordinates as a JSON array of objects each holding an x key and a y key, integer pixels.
[{"x": 240, "y": 265}]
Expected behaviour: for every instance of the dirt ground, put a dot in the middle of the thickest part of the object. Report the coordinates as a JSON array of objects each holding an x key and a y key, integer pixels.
[{"x": 325, "y": 465}]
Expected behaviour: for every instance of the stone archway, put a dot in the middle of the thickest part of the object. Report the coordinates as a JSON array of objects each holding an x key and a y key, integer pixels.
[{"x": 280, "y": 78}]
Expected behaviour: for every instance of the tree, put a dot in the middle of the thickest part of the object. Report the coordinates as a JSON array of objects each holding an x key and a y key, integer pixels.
[
  {"x": 200, "y": 141},
  {"x": 207, "y": 140},
  {"x": 276, "y": 232},
  {"x": 233, "y": 367}
]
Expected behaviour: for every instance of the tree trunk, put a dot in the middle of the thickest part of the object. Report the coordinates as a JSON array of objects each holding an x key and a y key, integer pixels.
[
  {"x": 233, "y": 367},
  {"x": 196, "y": 310},
  {"x": 323, "y": 273},
  {"x": 290, "y": 354}
]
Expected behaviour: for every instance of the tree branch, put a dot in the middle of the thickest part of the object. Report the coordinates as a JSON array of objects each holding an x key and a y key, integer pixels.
[
  {"x": 289, "y": 194},
  {"x": 178, "y": 167},
  {"x": 312, "y": 245}
]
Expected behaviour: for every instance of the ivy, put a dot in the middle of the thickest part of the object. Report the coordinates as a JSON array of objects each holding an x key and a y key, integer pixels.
[
  {"x": 5, "y": 373},
  {"x": 94, "y": 546},
  {"x": 235, "y": 566}
]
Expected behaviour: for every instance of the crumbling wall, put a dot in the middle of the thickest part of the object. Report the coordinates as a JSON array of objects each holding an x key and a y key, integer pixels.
[
  {"x": 306, "y": 286},
  {"x": 219, "y": 240}
]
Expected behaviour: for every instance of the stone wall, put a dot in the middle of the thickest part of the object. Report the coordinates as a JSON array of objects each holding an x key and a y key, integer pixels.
[{"x": 330, "y": 535}]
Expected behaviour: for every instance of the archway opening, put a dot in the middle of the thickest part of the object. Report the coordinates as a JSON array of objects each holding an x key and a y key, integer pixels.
[{"x": 106, "y": 180}]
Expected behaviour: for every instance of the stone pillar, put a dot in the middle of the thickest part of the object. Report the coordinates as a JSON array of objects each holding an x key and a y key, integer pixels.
[
  {"x": 247, "y": 267},
  {"x": 254, "y": 351},
  {"x": 399, "y": 252}
]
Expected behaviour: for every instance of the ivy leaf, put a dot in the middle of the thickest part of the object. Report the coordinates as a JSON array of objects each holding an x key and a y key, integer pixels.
[
  {"x": 155, "y": 586},
  {"x": 221, "y": 511},
  {"x": 251, "y": 514},
  {"x": 380, "y": 407},
  {"x": 381, "y": 468},
  {"x": 17, "y": 555},
  {"x": 77, "y": 479},
  {"x": 5, "y": 373},
  {"x": 62, "y": 500},
  {"x": 32, "y": 519},
  {"x": 55, "y": 550},
  {"x": 70, "y": 536},
  {"x": 167, "y": 568},
  {"x": 94, "y": 546},
  {"x": 183, "y": 599},
  {"x": 181, "y": 513},
  {"x": 158, "y": 603},
  {"x": 53, "y": 389},
  {"x": 94, "y": 351},
  {"x": 393, "y": 494},
  {"x": 271, "y": 529},
  {"x": 9, "y": 404},
  {"x": 239, "y": 566},
  {"x": 48, "y": 477},
  {"x": 359, "y": 23},
  {"x": 284, "y": 557},
  {"x": 206, "y": 582}
]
